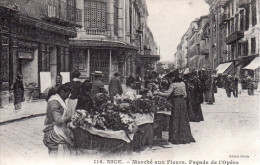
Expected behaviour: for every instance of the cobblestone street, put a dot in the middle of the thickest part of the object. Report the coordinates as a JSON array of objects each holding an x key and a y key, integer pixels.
[{"x": 231, "y": 127}]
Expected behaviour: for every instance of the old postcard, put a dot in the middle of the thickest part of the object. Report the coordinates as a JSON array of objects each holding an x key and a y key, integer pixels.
[{"x": 129, "y": 82}]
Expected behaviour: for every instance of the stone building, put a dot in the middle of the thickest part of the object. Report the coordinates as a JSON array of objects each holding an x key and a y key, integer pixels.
[
  {"x": 236, "y": 36},
  {"x": 229, "y": 39},
  {"x": 112, "y": 38},
  {"x": 34, "y": 38}
]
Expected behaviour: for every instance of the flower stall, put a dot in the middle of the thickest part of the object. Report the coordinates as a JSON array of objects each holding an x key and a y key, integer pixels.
[{"x": 125, "y": 125}]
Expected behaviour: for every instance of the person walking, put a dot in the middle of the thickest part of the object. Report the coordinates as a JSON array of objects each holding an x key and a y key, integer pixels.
[
  {"x": 57, "y": 136},
  {"x": 235, "y": 86},
  {"x": 250, "y": 86},
  {"x": 229, "y": 86},
  {"x": 97, "y": 86},
  {"x": 115, "y": 87},
  {"x": 18, "y": 90},
  {"x": 179, "y": 127}
]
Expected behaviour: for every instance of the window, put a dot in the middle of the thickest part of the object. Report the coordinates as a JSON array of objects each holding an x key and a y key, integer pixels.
[
  {"x": 242, "y": 20},
  {"x": 232, "y": 26},
  {"x": 116, "y": 17},
  {"x": 232, "y": 51},
  {"x": 245, "y": 48},
  {"x": 254, "y": 19},
  {"x": 253, "y": 46},
  {"x": 45, "y": 60},
  {"x": 236, "y": 22},
  {"x": 239, "y": 49},
  {"x": 4, "y": 58},
  {"x": 95, "y": 14},
  {"x": 64, "y": 59},
  {"x": 247, "y": 17}
]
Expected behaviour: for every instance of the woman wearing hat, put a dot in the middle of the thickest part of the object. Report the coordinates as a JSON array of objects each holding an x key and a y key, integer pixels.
[
  {"x": 179, "y": 127},
  {"x": 115, "y": 86}
]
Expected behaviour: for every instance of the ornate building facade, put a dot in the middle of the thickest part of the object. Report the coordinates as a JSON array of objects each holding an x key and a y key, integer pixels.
[
  {"x": 229, "y": 39},
  {"x": 34, "y": 38},
  {"x": 114, "y": 38}
]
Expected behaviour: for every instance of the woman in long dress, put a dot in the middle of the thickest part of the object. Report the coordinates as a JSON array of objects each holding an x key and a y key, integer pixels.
[
  {"x": 179, "y": 127},
  {"x": 18, "y": 89},
  {"x": 57, "y": 136},
  {"x": 194, "y": 110}
]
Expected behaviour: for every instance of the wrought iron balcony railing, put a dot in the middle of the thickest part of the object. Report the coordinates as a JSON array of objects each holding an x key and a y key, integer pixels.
[
  {"x": 61, "y": 13},
  {"x": 237, "y": 35}
]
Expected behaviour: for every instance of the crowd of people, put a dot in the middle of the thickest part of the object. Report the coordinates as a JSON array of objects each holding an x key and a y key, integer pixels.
[{"x": 186, "y": 93}]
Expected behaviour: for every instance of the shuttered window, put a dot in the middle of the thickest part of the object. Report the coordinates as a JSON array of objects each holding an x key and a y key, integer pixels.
[
  {"x": 116, "y": 17},
  {"x": 95, "y": 14},
  {"x": 254, "y": 19}
]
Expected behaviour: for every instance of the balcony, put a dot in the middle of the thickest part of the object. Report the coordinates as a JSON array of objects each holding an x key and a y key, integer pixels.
[
  {"x": 243, "y": 3},
  {"x": 96, "y": 32},
  {"x": 204, "y": 35},
  {"x": 237, "y": 35},
  {"x": 224, "y": 18},
  {"x": 205, "y": 52},
  {"x": 61, "y": 13}
]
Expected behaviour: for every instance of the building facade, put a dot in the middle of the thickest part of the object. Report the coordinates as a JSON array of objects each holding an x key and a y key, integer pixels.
[
  {"x": 113, "y": 37},
  {"x": 229, "y": 37},
  {"x": 34, "y": 38}
]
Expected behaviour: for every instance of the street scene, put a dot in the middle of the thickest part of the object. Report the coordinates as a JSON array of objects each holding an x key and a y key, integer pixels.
[{"x": 129, "y": 82}]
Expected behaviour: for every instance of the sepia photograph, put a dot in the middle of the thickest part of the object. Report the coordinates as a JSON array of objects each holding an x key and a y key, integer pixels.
[{"x": 129, "y": 82}]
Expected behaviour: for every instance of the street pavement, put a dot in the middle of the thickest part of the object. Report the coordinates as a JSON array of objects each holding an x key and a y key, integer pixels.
[{"x": 230, "y": 132}]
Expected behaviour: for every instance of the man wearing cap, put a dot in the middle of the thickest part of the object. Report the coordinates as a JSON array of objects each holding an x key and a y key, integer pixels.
[
  {"x": 115, "y": 86},
  {"x": 97, "y": 86}
]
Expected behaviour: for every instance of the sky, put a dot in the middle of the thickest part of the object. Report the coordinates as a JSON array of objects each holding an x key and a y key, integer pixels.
[{"x": 170, "y": 19}]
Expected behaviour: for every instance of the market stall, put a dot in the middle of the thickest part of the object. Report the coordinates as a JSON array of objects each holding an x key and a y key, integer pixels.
[{"x": 123, "y": 126}]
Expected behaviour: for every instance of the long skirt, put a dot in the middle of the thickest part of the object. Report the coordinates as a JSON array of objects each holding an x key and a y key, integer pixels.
[
  {"x": 18, "y": 99},
  {"x": 55, "y": 144},
  {"x": 179, "y": 127},
  {"x": 194, "y": 111}
]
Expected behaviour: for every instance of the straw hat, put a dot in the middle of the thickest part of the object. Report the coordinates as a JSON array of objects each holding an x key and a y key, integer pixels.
[{"x": 98, "y": 73}]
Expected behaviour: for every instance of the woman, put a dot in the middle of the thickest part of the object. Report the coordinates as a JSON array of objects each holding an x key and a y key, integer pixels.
[
  {"x": 85, "y": 101},
  {"x": 57, "y": 136},
  {"x": 194, "y": 110},
  {"x": 179, "y": 127},
  {"x": 18, "y": 90}
]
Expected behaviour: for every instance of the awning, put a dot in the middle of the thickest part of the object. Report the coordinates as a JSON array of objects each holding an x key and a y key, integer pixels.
[
  {"x": 253, "y": 64},
  {"x": 102, "y": 44},
  {"x": 223, "y": 67},
  {"x": 186, "y": 71}
]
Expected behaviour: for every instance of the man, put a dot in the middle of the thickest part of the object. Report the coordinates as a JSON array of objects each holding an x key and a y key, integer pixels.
[
  {"x": 130, "y": 80},
  {"x": 97, "y": 86},
  {"x": 228, "y": 85},
  {"x": 53, "y": 90},
  {"x": 115, "y": 87},
  {"x": 235, "y": 86}
]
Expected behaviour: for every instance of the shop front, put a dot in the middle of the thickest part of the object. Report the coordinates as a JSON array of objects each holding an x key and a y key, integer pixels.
[
  {"x": 30, "y": 46},
  {"x": 106, "y": 56}
]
